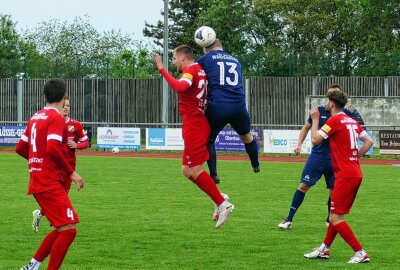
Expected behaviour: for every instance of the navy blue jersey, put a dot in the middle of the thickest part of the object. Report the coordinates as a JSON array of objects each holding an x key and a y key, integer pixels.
[
  {"x": 224, "y": 76},
  {"x": 322, "y": 149}
]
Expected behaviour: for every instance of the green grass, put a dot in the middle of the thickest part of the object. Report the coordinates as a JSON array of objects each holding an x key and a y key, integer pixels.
[{"x": 142, "y": 214}]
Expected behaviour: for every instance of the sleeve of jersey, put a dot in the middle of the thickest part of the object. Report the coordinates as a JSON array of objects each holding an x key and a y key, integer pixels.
[
  {"x": 325, "y": 130},
  {"x": 361, "y": 131},
  {"x": 54, "y": 148},
  {"x": 22, "y": 147},
  {"x": 83, "y": 142},
  {"x": 55, "y": 152},
  {"x": 178, "y": 85}
]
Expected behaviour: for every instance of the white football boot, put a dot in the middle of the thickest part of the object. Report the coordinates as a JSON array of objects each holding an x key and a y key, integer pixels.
[
  {"x": 318, "y": 254},
  {"x": 359, "y": 259},
  {"x": 285, "y": 224},
  {"x": 216, "y": 214},
  {"x": 224, "y": 210}
]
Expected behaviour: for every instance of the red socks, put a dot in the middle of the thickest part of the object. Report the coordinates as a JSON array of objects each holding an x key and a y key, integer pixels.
[
  {"x": 45, "y": 248},
  {"x": 207, "y": 184},
  {"x": 330, "y": 235},
  {"x": 60, "y": 248},
  {"x": 347, "y": 234}
]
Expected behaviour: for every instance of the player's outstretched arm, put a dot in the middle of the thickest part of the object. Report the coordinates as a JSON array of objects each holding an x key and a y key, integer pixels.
[{"x": 302, "y": 137}]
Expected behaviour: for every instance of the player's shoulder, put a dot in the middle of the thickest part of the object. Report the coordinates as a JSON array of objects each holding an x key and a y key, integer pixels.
[
  {"x": 348, "y": 112},
  {"x": 195, "y": 69}
]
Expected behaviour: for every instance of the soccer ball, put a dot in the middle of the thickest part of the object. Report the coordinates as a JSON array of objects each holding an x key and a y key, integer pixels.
[
  {"x": 115, "y": 150},
  {"x": 204, "y": 36}
]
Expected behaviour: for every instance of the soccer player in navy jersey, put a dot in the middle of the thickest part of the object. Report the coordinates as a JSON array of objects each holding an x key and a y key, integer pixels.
[
  {"x": 226, "y": 103},
  {"x": 191, "y": 90},
  {"x": 343, "y": 133},
  {"x": 317, "y": 164}
]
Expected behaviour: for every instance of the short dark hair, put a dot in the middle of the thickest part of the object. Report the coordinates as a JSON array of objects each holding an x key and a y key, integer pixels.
[
  {"x": 54, "y": 90},
  {"x": 333, "y": 86},
  {"x": 338, "y": 97},
  {"x": 186, "y": 50}
]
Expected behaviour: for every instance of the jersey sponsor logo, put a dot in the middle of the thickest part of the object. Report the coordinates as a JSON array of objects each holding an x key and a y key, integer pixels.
[
  {"x": 326, "y": 128},
  {"x": 71, "y": 128},
  {"x": 348, "y": 120},
  {"x": 187, "y": 76},
  {"x": 41, "y": 116},
  {"x": 35, "y": 160},
  {"x": 323, "y": 116}
]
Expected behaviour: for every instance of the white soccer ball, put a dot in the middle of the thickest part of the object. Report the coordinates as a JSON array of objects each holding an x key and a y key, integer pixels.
[
  {"x": 115, "y": 150},
  {"x": 204, "y": 36}
]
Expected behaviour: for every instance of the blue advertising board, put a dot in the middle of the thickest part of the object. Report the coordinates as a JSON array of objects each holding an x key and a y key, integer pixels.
[
  {"x": 228, "y": 140},
  {"x": 9, "y": 135}
]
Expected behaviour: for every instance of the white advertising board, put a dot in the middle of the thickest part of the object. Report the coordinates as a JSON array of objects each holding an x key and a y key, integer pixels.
[
  {"x": 285, "y": 141},
  {"x": 123, "y": 138},
  {"x": 164, "y": 139}
]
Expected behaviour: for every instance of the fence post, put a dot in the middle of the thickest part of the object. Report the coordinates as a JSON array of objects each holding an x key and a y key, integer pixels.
[
  {"x": 165, "y": 94},
  {"x": 19, "y": 100},
  {"x": 247, "y": 94},
  {"x": 314, "y": 86},
  {"x": 386, "y": 86}
]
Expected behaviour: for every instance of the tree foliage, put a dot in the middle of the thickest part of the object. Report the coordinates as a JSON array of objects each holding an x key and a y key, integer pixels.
[
  {"x": 10, "y": 48},
  {"x": 295, "y": 37}
]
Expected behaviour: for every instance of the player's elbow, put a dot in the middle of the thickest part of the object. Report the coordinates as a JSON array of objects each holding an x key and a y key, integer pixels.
[
  {"x": 369, "y": 142},
  {"x": 315, "y": 140}
]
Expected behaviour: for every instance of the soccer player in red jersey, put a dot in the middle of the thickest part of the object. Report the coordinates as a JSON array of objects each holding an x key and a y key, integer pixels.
[
  {"x": 77, "y": 139},
  {"x": 343, "y": 133},
  {"x": 44, "y": 145},
  {"x": 191, "y": 89}
]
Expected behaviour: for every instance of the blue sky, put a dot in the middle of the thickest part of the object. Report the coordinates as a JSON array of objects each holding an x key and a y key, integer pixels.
[{"x": 128, "y": 16}]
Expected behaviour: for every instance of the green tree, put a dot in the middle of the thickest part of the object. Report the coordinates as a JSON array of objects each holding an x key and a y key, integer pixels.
[
  {"x": 76, "y": 49},
  {"x": 182, "y": 24},
  {"x": 10, "y": 48}
]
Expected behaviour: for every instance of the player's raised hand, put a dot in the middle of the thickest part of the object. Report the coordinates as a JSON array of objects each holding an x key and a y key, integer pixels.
[
  {"x": 159, "y": 62},
  {"x": 314, "y": 113},
  {"x": 78, "y": 180}
]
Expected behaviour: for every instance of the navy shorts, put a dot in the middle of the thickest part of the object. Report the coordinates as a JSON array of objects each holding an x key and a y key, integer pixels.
[
  {"x": 219, "y": 114},
  {"x": 313, "y": 170}
]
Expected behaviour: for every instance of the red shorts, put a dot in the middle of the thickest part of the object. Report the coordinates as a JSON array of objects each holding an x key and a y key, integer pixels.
[
  {"x": 56, "y": 206},
  {"x": 344, "y": 193},
  {"x": 195, "y": 133}
]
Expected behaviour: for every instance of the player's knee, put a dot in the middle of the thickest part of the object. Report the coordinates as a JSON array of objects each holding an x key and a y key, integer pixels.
[
  {"x": 248, "y": 138},
  {"x": 335, "y": 219},
  {"x": 186, "y": 172},
  {"x": 304, "y": 188}
]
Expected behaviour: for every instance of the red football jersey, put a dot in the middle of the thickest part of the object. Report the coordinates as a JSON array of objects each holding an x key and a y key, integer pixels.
[
  {"x": 343, "y": 133},
  {"x": 47, "y": 124},
  {"x": 77, "y": 134},
  {"x": 193, "y": 99}
]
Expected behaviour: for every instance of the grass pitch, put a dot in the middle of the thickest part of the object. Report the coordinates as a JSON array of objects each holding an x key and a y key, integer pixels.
[{"x": 143, "y": 214}]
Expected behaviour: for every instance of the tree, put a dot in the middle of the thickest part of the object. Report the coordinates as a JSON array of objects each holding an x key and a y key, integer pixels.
[
  {"x": 183, "y": 17},
  {"x": 10, "y": 51},
  {"x": 76, "y": 49}
]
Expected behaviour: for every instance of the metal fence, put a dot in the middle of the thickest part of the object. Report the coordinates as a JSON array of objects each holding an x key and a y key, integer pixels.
[{"x": 271, "y": 100}]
